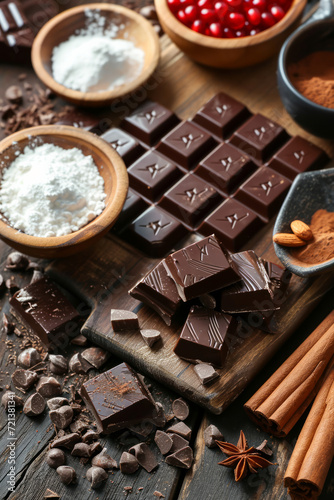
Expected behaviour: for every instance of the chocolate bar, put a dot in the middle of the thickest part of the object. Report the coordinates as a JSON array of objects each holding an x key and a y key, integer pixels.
[
  {"x": 205, "y": 336},
  {"x": 45, "y": 310},
  {"x": 200, "y": 268},
  {"x": 118, "y": 399}
]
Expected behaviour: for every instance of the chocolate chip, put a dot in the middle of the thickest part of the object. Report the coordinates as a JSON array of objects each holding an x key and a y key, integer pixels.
[
  {"x": 9, "y": 397},
  {"x": 122, "y": 320},
  {"x": 14, "y": 94},
  {"x": 28, "y": 358},
  {"x": 36, "y": 276},
  {"x": 128, "y": 463},
  {"x": 205, "y": 372},
  {"x": 211, "y": 435},
  {"x": 180, "y": 409},
  {"x": 104, "y": 460},
  {"x": 79, "y": 426},
  {"x": 16, "y": 261},
  {"x": 145, "y": 456},
  {"x": 51, "y": 494},
  {"x": 181, "y": 429},
  {"x": 24, "y": 379},
  {"x": 58, "y": 364},
  {"x": 178, "y": 443},
  {"x": 7, "y": 326},
  {"x": 55, "y": 458},
  {"x": 79, "y": 365},
  {"x": 79, "y": 340},
  {"x": 12, "y": 286},
  {"x": 163, "y": 441},
  {"x": 158, "y": 494},
  {"x": 182, "y": 458},
  {"x": 150, "y": 336},
  {"x": 95, "y": 356},
  {"x": 148, "y": 12},
  {"x": 49, "y": 387},
  {"x": 34, "y": 405},
  {"x": 95, "y": 448},
  {"x": 264, "y": 449},
  {"x": 66, "y": 474},
  {"x": 96, "y": 476},
  {"x": 90, "y": 436},
  {"x": 62, "y": 417},
  {"x": 159, "y": 418},
  {"x": 56, "y": 403},
  {"x": 22, "y": 76},
  {"x": 81, "y": 450},
  {"x": 67, "y": 441}
]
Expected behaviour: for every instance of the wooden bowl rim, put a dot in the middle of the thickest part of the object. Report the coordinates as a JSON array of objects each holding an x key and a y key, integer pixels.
[
  {"x": 182, "y": 31},
  {"x": 102, "y": 221},
  {"x": 105, "y": 96}
]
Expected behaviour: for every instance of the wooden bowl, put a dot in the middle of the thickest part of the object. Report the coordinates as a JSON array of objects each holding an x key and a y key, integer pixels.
[
  {"x": 62, "y": 26},
  {"x": 110, "y": 166},
  {"x": 224, "y": 52}
]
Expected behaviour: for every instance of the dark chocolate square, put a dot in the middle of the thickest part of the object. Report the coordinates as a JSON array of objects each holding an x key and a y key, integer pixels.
[
  {"x": 152, "y": 174},
  {"x": 190, "y": 200},
  {"x": 233, "y": 224},
  {"x": 133, "y": 206},
  {"x": 264, "y": 191},
  {"x": 259, "y": 137},
  {"x": 150, "y": 122},
  {"x": 221, "y": 115},
  {"x": 125, "y": 145},
  {"x": 296, "y": 156},
  {"x": 155, "y": 232},
  {"x": 205, "y": 336},
  {"x": 225, "y": 168},
  {"x": 186, "y": 144}
]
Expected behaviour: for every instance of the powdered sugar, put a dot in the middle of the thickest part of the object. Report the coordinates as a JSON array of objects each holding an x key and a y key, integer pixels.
[{"x": 51, "y": 191}]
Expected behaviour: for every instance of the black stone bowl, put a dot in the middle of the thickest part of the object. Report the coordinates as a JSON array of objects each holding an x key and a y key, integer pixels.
[
  {"x": 309, "y": 192},
  {"x": 316, "y": 119}
]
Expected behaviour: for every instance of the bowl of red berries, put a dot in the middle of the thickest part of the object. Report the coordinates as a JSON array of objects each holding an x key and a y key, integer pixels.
[{"x": 229, "y": 33}]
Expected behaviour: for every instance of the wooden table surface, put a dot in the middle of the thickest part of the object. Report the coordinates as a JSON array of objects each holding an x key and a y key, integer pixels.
[{"x": 171, "y": 86}]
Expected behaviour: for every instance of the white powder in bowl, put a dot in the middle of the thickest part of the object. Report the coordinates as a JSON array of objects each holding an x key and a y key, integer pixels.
[{"x": 50, "y": 191}]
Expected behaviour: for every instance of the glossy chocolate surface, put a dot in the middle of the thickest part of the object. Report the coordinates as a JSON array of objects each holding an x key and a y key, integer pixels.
[
  {"x": 46, "y": 311},
  {"x": 125, "y": 145},
  {"x": 205, "y": 336},
  {"x": 117, "y": 399},
  {"x": 134, "y": 205}
]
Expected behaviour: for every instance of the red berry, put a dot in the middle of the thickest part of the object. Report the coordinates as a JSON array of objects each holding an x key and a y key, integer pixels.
[
  {"x": 216, "y": 30},
  {"x": 205, "y": 4},
  {"x": 184, "y": 3},
  {"x": 228, "y": 33},
  {"x": 261, "y": 5},
  {"x": 277, "y": 12},
  {"x": 191, "y": 13},
  {"x": 173, "y": 5},
  {"x": 221, "y": 9},
  {"x": 198, "y": 26},
  {"x": 182, "y": 16},
  {"x": 207, "y": 32},
  {"x": 235, "y": 20},
  {"x": 240, "y": 33},
  {"x": 234, "y": 3},
  {"x": 254, "y": 16},
  {"x": 208, "y": 15},
  {"x": 267, "y": 20},
  {"x": 254, "y": 31}
]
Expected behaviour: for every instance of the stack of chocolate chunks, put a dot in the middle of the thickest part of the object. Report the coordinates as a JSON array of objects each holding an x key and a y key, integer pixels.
[{"x": 218, "y": 290}]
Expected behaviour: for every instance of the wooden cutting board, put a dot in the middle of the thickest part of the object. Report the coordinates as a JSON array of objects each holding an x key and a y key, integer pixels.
[{"x": 103, "y": 275}]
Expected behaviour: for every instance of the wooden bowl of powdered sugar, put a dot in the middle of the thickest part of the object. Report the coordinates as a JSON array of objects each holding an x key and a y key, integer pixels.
[
  {"x": 93, "y": 54},
  {"x": 61, "y": 189}
]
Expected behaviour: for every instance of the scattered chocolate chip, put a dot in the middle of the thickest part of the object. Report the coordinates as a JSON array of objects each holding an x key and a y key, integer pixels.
[
  {"x": 36, "y": 275},
  {"x": 158, "y": 494},
  {"x": 34, "y": 405},
  {"x": 79, "y": 426},
  {"x": 7, "y": 326},
  {"x": 62, "y": 417},
  {"x": 178, "y": 443},
  {"x": 79, "y": 340},
  {"x": 29, "y": 358},
  {"x": 90, "y": 436},
  {"x": 163, "y": 441},
  {"x": 24, "y": 379},
  {"x": 22, "y": 76},
  {"x": 49, "y": 387},
  {"x": 95, "y": 356},
  {"x": 10, "y": 396},
  {"x": 180, "y": 409},
  {"x": 79, "y": 365},
  {"x": 128, "y": 489},
  {"x": 56, "y": 403},
  {"x": 96, "y": 476},
  {"x": 122, "y": 320},
  {"x": 14, "y": 94},
  {"x": 16, "y": 261},
  {"x": 181, "y": 429},
  {"x": 145, "y": 456},
  {"x": 150, "y": 336},
  {"x": 205, "y": 372},
  {"x": 104, "y": 460},
  {"x": 55, "y": 458},
  {"x": 148, "y": 12},
  {"x": 211, "y": 435},
  {"x": 264, "y": 448},
  {"x": 81, "y": 450},
  {"x": 51, "y": 494},
  {"x": 58, "y": 364},
  {"x": 66, "y": 474},
  {"x": 159, "y": 418},
  {"x": 67, "y": 441},
  {"x": 182, "y": 458},
  {"x": 12, "y": 286},
  {"x": 128, "y": 463},
  {"x": 95, "y": 448}
]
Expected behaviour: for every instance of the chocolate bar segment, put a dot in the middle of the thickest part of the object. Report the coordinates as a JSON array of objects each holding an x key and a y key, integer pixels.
[
  {"x": 133, "y": 206},
  {"x": 46, "y": 311},
  {"x": 205, "y": 336},
  {"x": 200, "y": 268},
  {"x": 118, "y": 399},
  {"x": 221, "y": 115},
  {"x": 125, "y": 145}
]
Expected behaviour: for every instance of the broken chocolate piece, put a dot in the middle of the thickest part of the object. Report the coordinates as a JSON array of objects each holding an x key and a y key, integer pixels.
[
  {"x": 51, "y": 494},
  {"x": 10, "y": 399},
  {"x": 123, "y": 320},
  {"x": 95, "y": 356},
  {"x": 163, "y": 441},
  {"x": 205, "y": 372},
  {"x": 7, "y": 326},
  {"x": 128, "y": 463},
  {"x": 145, "y": 456},
  {"x": 78, "y": 364},
  {"x": 95, "y": 448},
  {"x": 62, "y": 417},
  {"x": 90, "y": 436},
  {"x": 150, "y": 336},
  {"x": 55, "y": 458},
  {"x": 79, "y": 426},
  {"x": 49, "y": 387},
  {"x": 81, "y": 450},
  {"x": 178, "y": 443},
  {"x": 180, "y": 409},
  {"x": 96, "y": 476},
  {"x": 211, "y": 435},
  {"x": 79, "y": 340},
  {"x": 67, "y": 441},
  {"x": 24, "y": 379},
  {"x": 34, "y": 405},
  {"x": 58, "y": 364},
  {"x": 66, "y": 474},
  {"x": 182, "y": 458},
  {"x": 181, "y": 429},
  {"x": 29, "y": 358},
  {"x": 159, "y": 418},
  {"x": 104, "y": 460},
  {"x": 16, "y": 261},
  {"x": 264, "y": 449},
  {"x": 57, "y": 402}
]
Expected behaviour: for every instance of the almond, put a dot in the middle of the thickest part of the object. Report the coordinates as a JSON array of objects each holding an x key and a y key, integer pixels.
[
  {"x": 302, "y": 230},
  {"x": 288, "y": 240}
]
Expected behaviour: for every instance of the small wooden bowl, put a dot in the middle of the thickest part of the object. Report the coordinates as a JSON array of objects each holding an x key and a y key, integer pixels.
[
  {"x": 233, "y": 52},
  {"x": 110, "y": 166},
  {"x": 62, "y": 26}
]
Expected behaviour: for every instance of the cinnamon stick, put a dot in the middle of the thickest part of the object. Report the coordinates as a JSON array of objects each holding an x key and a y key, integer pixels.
[
  {"x": 314, "y": 450},
  {"x": 280, "y": 402}
]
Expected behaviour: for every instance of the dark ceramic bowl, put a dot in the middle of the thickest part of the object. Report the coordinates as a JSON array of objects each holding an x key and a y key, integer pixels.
[{"x": 309, "y": 192}]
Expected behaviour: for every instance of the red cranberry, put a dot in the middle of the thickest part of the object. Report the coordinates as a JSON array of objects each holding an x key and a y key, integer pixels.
[
  {"x": 198, "y": 26},
  {"x": 191, "y": 13},
  {"x": 234, "y": 3},
  {"x": 254, "y": 31},
  {"x": 216, "y": 30},
  {"x": 173, "y": 5},
  {"x": 205, "y": 4},
  {"x": 277, "y": 12},
  {"x": 228, "y": 33},
  {"x": 182, "y": 16},
  {"x": 235, "y": 20},
  {"x": 240, "y": 33},
  {"x": 267, "y": 20},
  {"x": 260, "y": 5},
  {"x": 254, "y": 16},
  {"x": 208, "y": 15},
  {"x": 221, "y": 9}
]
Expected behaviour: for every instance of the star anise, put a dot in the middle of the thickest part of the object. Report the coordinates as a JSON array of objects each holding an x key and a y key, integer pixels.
[{"x": 242, "y": 459}]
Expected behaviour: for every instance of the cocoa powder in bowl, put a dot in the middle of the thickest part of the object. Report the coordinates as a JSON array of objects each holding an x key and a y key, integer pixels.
[{"x": 321, "y": 248}]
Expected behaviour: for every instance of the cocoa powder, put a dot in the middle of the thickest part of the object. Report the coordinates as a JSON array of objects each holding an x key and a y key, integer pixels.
[{"x": 321, "y": 248}]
